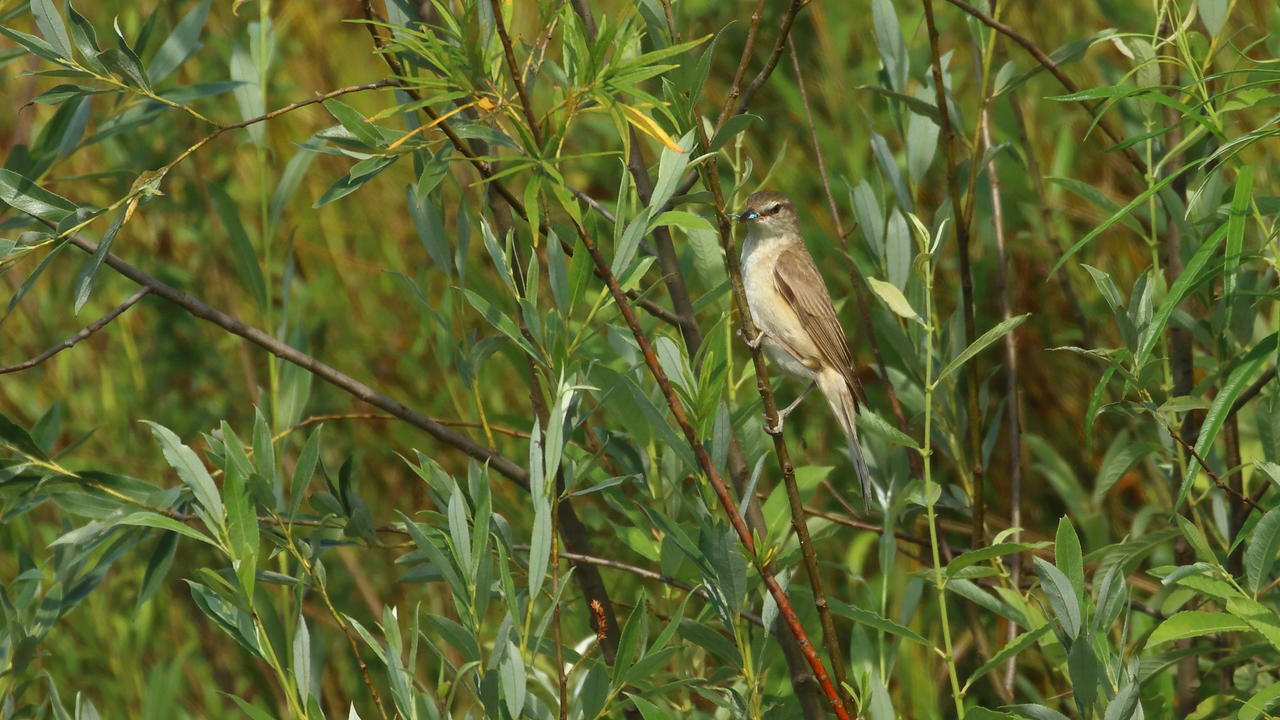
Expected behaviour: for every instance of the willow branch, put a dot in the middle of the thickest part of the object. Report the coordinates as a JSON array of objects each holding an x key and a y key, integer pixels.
[{"x": 88, "y": 330}]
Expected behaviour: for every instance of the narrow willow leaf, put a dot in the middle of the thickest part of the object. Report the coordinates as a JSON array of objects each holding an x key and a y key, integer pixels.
[
  {"x": 1194, "y": 623},
  {"x": 245, "y": 258},
  {"x": 1264, "y": 544},
  {"x": 1011, "y": 650},
  {"x": 871, "y": 619},
  {"x": 191, "y": 471},
  {"x": 1068, "y": 556},
  {"x": 146, "y": 518},
  {"x": 1249, "y": 367},
  {"x": 981, "y": 343},
  {"x": 84, "y": 280},
  {"x": 51, "y": 26},
  {"x": 1235, "y": 238},
  {"x": 32, "y": 199},
  {"x": 1177, "y": 293},
  {"x": 990, "y": 552},
  {"x": 1062, "y": 597},
  {"x": 181, "y": 44},
  {"x": 650, "y": 127}
]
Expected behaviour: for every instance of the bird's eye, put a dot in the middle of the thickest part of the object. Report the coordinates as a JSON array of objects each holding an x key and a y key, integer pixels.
[{"x": 775, "y": 208}]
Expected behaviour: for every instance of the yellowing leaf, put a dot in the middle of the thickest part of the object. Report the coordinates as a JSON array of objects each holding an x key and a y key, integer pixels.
[
  {"x": 894, "y": 298},
  {"x": 648, "y": 126}
]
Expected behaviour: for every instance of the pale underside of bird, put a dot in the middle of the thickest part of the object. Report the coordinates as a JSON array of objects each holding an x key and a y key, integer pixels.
[{"x": 800, "y": 333}]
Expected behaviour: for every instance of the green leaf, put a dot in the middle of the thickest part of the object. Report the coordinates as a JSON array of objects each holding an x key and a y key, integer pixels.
[
  {"x": 181, "y": 44},
  {"x": 192, "y": 472},
  {"x": 1122, "y": 454},
  {"x": 1213, "y": 13},
  {"x": 871, "y": 422},
  {"x": 1068, "y": 556},
  {"x": 1015, "y": 646},
  {"x": 359, "y": 174},
  {"x": 893, "y": 52},
  {"x": 125, "y": 67},
  {"x": 512, "y": 680},
  {"x": 245, "y": 258},
  {"x": 1118, "y": 215},
  {"x": 242, "y": 528},
  {"x": 20, "y": 439},
  {"x": 51, "y": 26},
  {"x": 32, "y": 199},
  {"x": 146, "y": 518},
  {"x": 1259, "y": 616},
  {"x": 894, "y": 299},
  {"x": 981, "y": 343},
  {"x": 1255, "y": 706},
  {"x": 429, "y": 224},
  {"x": 1062, "y": 597},
  {"x": 973, "y": 557},
  {"x": 1249, "y": 367},
  {"x": 1194, "y": 623},
  {"x": 1264, "y": 544},
  {"x": 671, "y": 167},
  {"x": 648, "y": 710},
  {"x": 872, "y": 620},
  {"x": 304, "y": 470},
  {"x": 293, "y": 173},
  {"x": 84, "y": 280},
  {"x": 1240, "y": 201}
]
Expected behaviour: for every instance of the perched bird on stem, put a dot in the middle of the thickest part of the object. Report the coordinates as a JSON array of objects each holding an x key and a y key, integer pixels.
[{"x": 790, "y": 305}]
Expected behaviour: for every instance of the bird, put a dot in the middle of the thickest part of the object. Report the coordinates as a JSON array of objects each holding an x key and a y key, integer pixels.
[{"x": 792, "y": 310}]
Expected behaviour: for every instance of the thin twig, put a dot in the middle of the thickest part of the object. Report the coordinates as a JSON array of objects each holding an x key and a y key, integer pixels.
[
  {"x": 718, "y": 485},
  {"x": 1012, "y": 401},
  {"x": 1053, "y": 69},
  {"x": 526, "y": 105},
  {"x": 1225, "y": 487},
  {"x": 325, "y": 372},
  {"x": 961, "y": 231},
  {"x": 316, "y": 419},
  {"x": 647, "y": 574},
  {"x": 747, "y": 327},
  {"x": 88, "y": 330}
]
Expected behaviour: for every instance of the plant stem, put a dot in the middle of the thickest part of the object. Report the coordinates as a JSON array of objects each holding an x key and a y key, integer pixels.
[{"x": 927, "y": 456}]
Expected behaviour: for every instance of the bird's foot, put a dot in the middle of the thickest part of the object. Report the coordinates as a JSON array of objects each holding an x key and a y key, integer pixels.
[
  {"x": 776, "y": 428},
  {"x": 752, "y": 342}
]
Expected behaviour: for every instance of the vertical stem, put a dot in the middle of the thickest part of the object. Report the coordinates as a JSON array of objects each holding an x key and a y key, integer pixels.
[
  {"x": 966, "y": 281},
  {"x": 830, "y": 639},
  {"x": 1011, "y": 383},
  {"x": 927, "y": 456}
]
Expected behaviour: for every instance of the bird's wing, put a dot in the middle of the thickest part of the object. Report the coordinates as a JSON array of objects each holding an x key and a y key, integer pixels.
[{"x": 801, "y": 285}]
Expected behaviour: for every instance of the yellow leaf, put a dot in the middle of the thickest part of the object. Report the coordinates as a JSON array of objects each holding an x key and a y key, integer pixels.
[{"x": 648, "y": 126}]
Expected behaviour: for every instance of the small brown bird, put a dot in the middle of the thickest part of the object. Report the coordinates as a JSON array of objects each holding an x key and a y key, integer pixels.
[{"x": 791, "y": 306}]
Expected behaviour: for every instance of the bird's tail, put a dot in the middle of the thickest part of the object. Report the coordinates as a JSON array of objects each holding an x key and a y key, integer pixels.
[{"x": 836, "y": 389}]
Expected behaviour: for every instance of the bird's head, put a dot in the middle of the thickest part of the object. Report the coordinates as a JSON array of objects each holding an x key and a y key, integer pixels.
[{"x": 769, "y": 212}]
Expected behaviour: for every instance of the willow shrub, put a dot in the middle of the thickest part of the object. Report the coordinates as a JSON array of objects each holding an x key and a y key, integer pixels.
[{"x": 512, "y": 228}]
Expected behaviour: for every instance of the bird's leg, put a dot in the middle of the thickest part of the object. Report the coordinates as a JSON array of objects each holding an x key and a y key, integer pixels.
[
  {"x": 776, "y": 429},
  {"x": 753, "y": 343}
]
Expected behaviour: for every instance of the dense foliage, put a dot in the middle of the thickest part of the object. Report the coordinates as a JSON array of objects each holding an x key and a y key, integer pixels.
[{"x": 402, "y": 375}]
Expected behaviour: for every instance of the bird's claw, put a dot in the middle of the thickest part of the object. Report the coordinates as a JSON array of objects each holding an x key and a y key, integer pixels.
[
  {"x": 753, "y": 343},
  {"x": 776, "y": 428}
]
